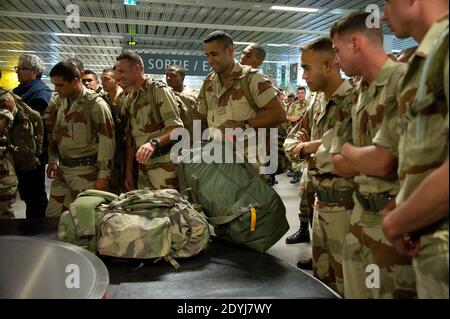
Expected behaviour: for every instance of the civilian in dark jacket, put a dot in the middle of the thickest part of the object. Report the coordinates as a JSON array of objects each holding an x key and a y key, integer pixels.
[{"x": 36, "y": 94}]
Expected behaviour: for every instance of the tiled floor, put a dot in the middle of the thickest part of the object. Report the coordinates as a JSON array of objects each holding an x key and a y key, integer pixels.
[{"x": 289, "y": 194}]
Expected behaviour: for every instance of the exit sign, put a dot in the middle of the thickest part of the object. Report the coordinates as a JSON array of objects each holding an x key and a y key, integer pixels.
[{"x": 129, "y": 2}]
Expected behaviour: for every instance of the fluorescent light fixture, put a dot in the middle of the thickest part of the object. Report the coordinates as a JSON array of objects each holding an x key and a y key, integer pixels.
[
  {"x": 72, "y": 34},
  {"x": 277, "y": 62},
  {"x": 243, "y": 43},
  {"x": 23, "y": 51},
  {"x": 277, "y": 45},
  {"x": 98, "y": 65},
  {"x": 341, "y": 11},
  {"x": 298, "y": 9}
]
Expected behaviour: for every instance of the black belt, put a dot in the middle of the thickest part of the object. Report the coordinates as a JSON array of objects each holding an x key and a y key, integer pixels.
[
  {"x": 333, "y": 196},
  {"x": 373, "y": 202},
  {"x": 82, "y": 161}
]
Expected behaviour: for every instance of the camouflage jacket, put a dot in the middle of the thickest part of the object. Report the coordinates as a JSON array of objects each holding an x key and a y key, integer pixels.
[
  {"x": 297, "y": 107},
  {"x": 75, "y": 137},
  {"x": 375, "y": 107},
  {"x": 423, "y": 123},
  {"x": 228, "y": 102},
  {"x": 319, "y": 120},
  {"x": 7, "y": 111},
  {"x": 149, "y": 111}
]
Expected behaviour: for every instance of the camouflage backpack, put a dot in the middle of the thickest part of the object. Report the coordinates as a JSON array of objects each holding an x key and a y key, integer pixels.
[
  {"x": 141, "y": 224},
  {"x": 26, "y": 135}
]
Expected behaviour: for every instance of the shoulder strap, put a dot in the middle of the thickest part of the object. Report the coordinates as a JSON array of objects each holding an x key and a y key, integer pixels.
[
  {"x": 151, "y": 97},
  {"x": 245, "y": 86},
  {"x": 203, "y": 90},
  {"x": 87, "y": 107}
]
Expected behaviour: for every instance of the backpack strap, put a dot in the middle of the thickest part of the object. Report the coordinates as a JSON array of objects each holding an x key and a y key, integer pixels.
[
  {"x": 203, "y": 90},
  {"x": 245, "y": 86},
  {"x": 156, "y": 112}
]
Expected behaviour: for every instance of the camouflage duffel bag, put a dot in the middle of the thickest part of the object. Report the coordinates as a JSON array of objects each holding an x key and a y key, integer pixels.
[{"x": 141, "y": 224}]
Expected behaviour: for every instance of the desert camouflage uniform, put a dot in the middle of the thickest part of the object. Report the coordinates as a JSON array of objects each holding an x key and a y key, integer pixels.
[
  {"x": 150, "y": 110},
  {"x": 334, "y": 203},
  {"x": 365, "y": 245},
  {"x": 297, "y": 108},
  {"x": 115, "y": 103},
  {"x": 8, "y": 178},
  {"x": 306, "y": 191},
  {"x": 83, "y": 156},
  {"x": 228, "y": 102},
  {"x": 423, "y": 148}
]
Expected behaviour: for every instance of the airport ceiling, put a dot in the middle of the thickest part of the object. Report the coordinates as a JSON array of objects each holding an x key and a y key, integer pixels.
[{"x": 161, "y": 26}]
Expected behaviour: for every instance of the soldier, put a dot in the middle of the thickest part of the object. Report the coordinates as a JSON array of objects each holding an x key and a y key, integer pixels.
[
  {"x": 331, "y": 102},
  {"x": 253, "y": 55},
  {"x": 8, "y": 178},
  {"x": 112, "y": 91},
  {"x": 366, "y": 249},
  {"x": 223, "y": 101},
  {"x": 110, "y": 86},
  {"x": 84, "y": 134},
  {"x": 290, "y": 100},
  {"x": 305, "y": 210},
  {"x": 90, "y": 81},
  {"x": 294, "y": 114},
  {"x": 152, "y": 112},
  {"x": 418, "y": 224},
  {"x": 175, "y": 75},
  {"x": 36, "y": 94}
]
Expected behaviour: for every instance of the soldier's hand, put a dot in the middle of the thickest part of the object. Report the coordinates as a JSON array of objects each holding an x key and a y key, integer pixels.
[
  {"x": 297, "y": 150},
  {"x": 302, "y": 135},
  {"x": 144, "y": 153},
  {"x": 102, "y": 184},
  {"x": 52, "y": 170},
  {"x": 232, "y": 124},
  {"x": 404, "y": 245},
  {"x": 129, "y": 182}
]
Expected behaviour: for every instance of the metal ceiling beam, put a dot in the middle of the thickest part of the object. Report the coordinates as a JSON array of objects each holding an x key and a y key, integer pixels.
[{"x": 31, "y": 15}]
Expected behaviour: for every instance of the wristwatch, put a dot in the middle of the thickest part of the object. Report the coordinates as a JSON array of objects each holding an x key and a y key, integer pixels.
[{"x": 155, "y": 143}]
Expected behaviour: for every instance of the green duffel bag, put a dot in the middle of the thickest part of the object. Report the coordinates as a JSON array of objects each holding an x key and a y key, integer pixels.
[
  {"x": 140, "y": 224},
  {"x": 238, "y": 202}
]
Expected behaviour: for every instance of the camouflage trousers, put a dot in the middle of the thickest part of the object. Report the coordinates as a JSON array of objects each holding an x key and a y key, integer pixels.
[
  {"x": 371, "y": 266},
  {"x": 8, "y": 188},
  {"x": 296, "y": 167},
  {"x": 67, "y": 185},
  {"x": 330, "y": 225},
  {"x": 158, "y": 176},
  {"x": 307, "y": 198},
  {"x": 431, "y": 266}
]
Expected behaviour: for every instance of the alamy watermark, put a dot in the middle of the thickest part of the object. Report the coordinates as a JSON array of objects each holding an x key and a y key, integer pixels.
[
  {"x": 73, "y": 19},
  {"x": 73, "y": 277},
  {"x": 373, "y": 277}
]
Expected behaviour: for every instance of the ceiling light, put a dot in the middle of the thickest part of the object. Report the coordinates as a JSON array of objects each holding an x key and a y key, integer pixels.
[
  {"x": 298, "y": 9},
  {"x": 243, "y": 43},
  {"x": 277, "y": 62},
  {"x": 23, "y": 51},
  {"x": 72, "y": 34},
  {"x": 277, "y": 45}
]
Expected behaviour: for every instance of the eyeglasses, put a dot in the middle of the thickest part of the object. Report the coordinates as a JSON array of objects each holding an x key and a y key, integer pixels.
[{"x": 21, "y": 68}]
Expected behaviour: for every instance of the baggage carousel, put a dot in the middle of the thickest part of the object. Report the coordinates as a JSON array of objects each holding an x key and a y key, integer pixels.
[{"x": 223, "y": 271}]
